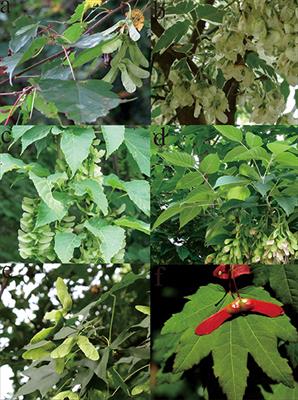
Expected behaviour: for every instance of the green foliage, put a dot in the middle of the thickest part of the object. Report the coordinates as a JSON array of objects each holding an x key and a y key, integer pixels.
[
  {"x": 280, "y": 392},
  {"x": 87, "y": 58},
  {"x": 234, "y": 188},
  {"x": 77, "y": 213},
  {"x": 101, "y": 343},
  {"x": 282, "y": 279},
  {"x": 231, "y": 345},
  {"x": 222, "y": 62}
]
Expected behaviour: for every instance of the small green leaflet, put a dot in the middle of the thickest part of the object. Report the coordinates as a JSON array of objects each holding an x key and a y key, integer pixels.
[
  {"x": 210, "y": 13},
  {"x": 138, "y": 191},
  {"x": 112, "y": 237},
  {"x": 101, "y": 369},
  {"x": 287, "y": 159},
  {"x": 173, "y": 209},
  {"x": 283, "y": 280},
  {"x": 232, "y": 341},
  {"x": 230, "y": 132},
  {"x": 278, "y": 147},
  {"x": 81, "y": 101},
  {"x": 190, "y": 180},
  {"x": 233, "y": 155},
  {"x": 182, "y": 7},
  {"x": 9, "y": 163},
  {"x": 65, "y": 243},
  {"x": 188, "y": 213},
  {"x": 287, "y": 203},
  {"x": 179, "y": 159},
  {"x": 75, "y": 144},
  {"x": 259, "y": 66},
  {"x": 238, "y": 193},
  {"x": 210, "y": 164},
  {"x": 133, "y": 223},
  {"x": 13, "y": 61},
  {"x": 253, "y": 140},
  {"x": 114, "y": 136},
  {"x": 73, "y": 33},
  {"x": 171, "y": 35},
  {"x": 229, "y": 180},
  {"x": 143, "y": 309},
  {"x": 114, "y": 181}
]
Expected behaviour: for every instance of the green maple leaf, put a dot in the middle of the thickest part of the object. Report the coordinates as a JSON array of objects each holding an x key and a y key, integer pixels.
[
  {"x": 231, "y": 343},
  {"x": 282, "y": 279},
  {"x": 281, "y": 392}
]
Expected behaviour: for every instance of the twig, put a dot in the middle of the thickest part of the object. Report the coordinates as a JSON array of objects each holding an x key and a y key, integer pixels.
[
  {"x": 69, "y": 63},
  {"x": 112, "y": 318},
  {"x": 16, "y": 104}
]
